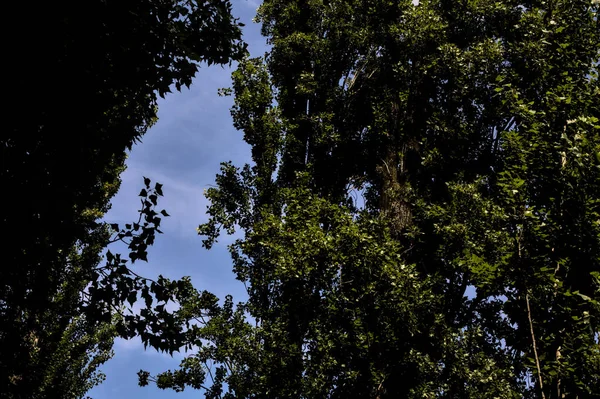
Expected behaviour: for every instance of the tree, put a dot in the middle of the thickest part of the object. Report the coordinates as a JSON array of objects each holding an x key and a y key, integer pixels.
[
  {"x": 471, "y": 131},
  {"x": 83, "y": 84}
]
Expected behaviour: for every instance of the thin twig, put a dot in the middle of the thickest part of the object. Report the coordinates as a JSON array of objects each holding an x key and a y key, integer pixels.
[
  {"x": 379, "y": 389},
  {"x": 209, "y": 371},
  {"x": 559, "y": 347},
  {"x": 141, "y": 277},
  {"x": 117, "y": 239},
  {"x": 537, "y": 359}
]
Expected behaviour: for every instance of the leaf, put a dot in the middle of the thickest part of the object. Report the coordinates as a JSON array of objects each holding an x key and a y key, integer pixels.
[
  {"x": 158, "y": 189},
  {"x": 584, "y": 297},
  {"x": 132, "y": 297}
]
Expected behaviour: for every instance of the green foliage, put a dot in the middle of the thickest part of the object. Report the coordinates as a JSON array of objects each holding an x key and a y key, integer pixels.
[
  {"x": 83, "y": 83},
  {"x": 471, "y": 131}
]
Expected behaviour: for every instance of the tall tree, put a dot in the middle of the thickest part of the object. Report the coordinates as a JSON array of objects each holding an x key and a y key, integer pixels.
[
  {"x": 470, "y": 129},
  {"x": 83, "y": 83}
]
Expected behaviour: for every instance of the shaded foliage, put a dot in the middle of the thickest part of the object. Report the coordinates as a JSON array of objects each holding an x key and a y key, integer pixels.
[{"x": 83, "y": 81}]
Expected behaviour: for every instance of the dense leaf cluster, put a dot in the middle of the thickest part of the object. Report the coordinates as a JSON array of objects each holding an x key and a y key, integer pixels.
[{"x": 421, "y": 218}]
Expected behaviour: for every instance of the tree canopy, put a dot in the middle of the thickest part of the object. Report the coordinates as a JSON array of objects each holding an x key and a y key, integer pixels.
[
  {"x": 421, "y": 217},
  {"x": 83, "y": 82}
]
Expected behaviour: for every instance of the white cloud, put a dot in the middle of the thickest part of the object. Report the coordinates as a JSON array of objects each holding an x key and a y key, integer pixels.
[
  {"x": 128, "y": 345},
  {"x": 254, "y": 4},
  {"x": 184, "y": 201}
]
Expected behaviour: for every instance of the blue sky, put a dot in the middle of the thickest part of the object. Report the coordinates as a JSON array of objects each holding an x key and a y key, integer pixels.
[{"x": 182, "y": 151}]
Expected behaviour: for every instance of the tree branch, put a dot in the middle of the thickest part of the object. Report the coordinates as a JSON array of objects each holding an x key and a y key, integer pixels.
[{"x": 537, "y": 359}]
